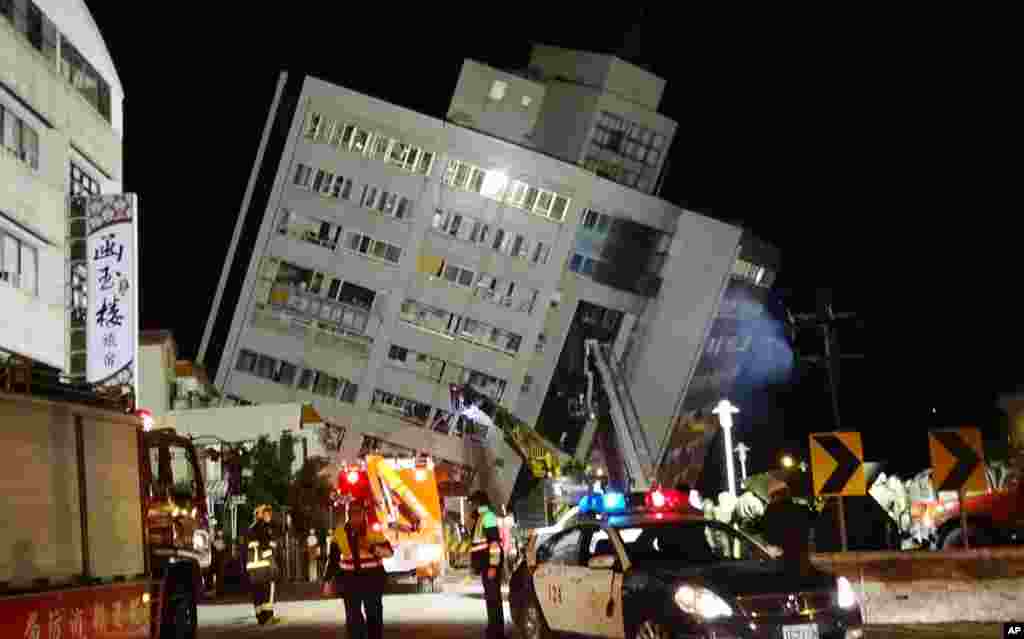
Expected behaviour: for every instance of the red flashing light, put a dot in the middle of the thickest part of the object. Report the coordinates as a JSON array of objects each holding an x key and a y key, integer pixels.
[
  {"x": 353, "y": 477},
  {"x": 376, "y": 526},
  {"x": 660, "y": 499}
]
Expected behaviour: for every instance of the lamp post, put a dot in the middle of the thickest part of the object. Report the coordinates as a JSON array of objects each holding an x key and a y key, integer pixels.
[
  {"x": 742, "y": 449},
  {"x": 725, "y": 410},
  {"x": 787, "y": 461}
]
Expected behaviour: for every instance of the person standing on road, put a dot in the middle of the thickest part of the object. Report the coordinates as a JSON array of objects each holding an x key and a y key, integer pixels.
[
  {"x": 787, "y": 525},
  {"x": 262, "y": 565},
  {"x": 312, "y": 554},
  {"x": 358, "y": 570},
  {"x": 486, "y": 558}
]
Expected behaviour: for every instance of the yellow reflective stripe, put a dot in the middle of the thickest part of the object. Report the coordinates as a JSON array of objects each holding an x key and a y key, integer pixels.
[{"x": 263, "y": 563}]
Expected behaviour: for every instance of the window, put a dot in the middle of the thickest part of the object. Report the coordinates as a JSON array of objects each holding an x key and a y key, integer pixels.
[
  {"x": 286, "y": 374},
  {"x": 426, "y": 162},
  {"x": 348, "y": 394},
  {"x": 541, "y": 343},
  {"x": 366, "y": 245},
  {"x": 526, "y": 101},
  {"x": 246, "y": 361},
  {"x": 19, "y": 138},
  {"x": 89, "y": 83},
  {"x": 342, "y": 188},
  {"x": 459, "y": 275},
  {"x": 398, "y": 354},
  {"x": 696, "y": 543},
  {"x": 18, "y": 264},
  {"x": 402, "y": 407},
  {"x": 369, "y": 197},
  {"x": 498, "y": 90},
  {"x": 541, "y": 252},
  {"x": 520, "y": 246},
  {"x": 313, "y": 124},
  {"x": 303, "y": 175},
  {"x": 563, "y": 549},
  {"x": 327, "y": 184},
  {"x": 326, "y": 385}
]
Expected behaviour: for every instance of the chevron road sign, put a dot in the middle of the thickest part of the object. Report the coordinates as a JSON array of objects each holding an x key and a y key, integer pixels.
[
  {"x": 837, "y": 464},
  {"x": 958, "y": 460}
]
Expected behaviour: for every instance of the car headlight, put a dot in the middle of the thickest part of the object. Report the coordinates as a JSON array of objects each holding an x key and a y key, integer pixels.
[
  {"x": 845, "y": 596},
  {"x": 201, "y": 540},
  {"x": 701, "y": 602}
]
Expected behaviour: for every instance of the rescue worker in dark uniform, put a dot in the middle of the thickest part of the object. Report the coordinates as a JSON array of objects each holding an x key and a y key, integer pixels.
[
  {"x": 487, "y": 560},
  {"x": 356, "y": 563},
  {"x": 787, "y": 525},
  {"x": 262, "y": 565}
]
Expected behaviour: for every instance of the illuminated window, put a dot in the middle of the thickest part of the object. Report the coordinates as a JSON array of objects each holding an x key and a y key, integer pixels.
[
  {"x": 498, "y": 90},
  {"x": 526, "y": 101}
]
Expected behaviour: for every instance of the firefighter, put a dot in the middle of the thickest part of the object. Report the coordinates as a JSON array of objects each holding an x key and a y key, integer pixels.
[
  {"x": 358, "y": 569},
  {"x": 262, "y": 565},
  {"x": 486, "y": 559}
]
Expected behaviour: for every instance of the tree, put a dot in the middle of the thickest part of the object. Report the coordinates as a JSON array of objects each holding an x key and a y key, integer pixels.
[
  {"x": 309, "y": 496},
  {"x": 271, "y": 473}
]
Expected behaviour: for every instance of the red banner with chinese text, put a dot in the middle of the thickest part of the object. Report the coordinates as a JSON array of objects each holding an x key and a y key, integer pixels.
[{"x": 101, "y": 612}]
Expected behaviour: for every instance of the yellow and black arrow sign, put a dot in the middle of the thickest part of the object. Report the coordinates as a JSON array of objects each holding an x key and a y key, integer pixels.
[
  {"x": 958, "y": 460},
  {"x": 837, "y": 464}
]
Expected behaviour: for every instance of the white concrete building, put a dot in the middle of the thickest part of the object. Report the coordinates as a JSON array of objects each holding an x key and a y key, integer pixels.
[
  {"x": 61, "y": 132},
  {"x": 397, "y": 254}
]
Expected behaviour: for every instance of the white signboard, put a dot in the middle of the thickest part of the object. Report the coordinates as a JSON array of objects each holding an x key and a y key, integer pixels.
[{"x": 112, "y": 322}]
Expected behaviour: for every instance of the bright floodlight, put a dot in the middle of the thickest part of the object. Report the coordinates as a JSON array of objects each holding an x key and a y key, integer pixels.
[
  {"x": 494, "y": 184},
  {"x": 787, "y": 461}
]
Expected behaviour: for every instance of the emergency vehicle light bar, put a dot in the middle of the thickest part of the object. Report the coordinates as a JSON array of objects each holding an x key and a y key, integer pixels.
[{"x": 657, "y": 500}]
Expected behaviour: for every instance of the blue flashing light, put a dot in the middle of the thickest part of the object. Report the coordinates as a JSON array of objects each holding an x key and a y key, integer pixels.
[{"x": 614, "y": 502}]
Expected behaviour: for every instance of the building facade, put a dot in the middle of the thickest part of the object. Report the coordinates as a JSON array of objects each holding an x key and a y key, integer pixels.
[
  {"x": 61, "y": 133},
  {"x": 398, "y": 255}
]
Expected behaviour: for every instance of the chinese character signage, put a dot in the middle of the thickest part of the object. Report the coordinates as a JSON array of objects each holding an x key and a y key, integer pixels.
[
  {"x": 112, "y": 321},
  {"x": 103, "y": 612}
]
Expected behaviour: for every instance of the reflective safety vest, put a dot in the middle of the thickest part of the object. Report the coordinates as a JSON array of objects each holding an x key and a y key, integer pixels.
[
  {"x": 372, "y": 547},
  {"x": 485, "y": 520},
  {"x": 258, "y": 558}
]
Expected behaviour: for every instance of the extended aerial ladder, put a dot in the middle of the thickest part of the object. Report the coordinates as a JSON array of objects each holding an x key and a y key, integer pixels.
[{"x": 628, "y": 429}]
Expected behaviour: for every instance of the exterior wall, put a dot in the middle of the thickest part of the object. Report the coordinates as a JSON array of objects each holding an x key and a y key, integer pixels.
[
  {"x": 33, "y": 201},
  {"x": 634, "y": 84},
  {"x": 605, "y": 72},
  {"x": 566, "y": 120},
  {"x": 674, "y": 328},
  {"x": 154, "y": 380},
  {"x": 506, "y": 118}
]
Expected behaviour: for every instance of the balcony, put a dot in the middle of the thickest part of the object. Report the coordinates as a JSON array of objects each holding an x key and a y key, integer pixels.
[{"x": 328, "y": 335}]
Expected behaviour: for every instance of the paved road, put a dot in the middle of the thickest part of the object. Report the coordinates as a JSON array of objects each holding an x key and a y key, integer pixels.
[
  {"x": 456, "y": 614},
  {"x": 406, "y": 616}
]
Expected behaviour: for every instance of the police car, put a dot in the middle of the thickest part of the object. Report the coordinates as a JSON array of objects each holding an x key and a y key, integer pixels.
[{"x": 650, "y": 566}]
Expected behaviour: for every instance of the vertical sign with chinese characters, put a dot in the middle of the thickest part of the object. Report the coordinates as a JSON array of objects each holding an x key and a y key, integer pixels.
[{"x": 112, "y": 321}]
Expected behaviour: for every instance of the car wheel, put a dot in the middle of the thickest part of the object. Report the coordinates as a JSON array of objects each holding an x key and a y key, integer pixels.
[
  {"x": 653, "y": 630},
  {"x": 532, "y": 623}
]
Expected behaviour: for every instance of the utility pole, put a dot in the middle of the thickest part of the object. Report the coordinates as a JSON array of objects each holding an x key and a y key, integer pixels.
[{"x": 826, "y": 320}]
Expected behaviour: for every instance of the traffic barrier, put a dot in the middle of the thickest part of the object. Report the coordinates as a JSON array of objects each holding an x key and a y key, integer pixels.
[{"x": 982, "y": 584}]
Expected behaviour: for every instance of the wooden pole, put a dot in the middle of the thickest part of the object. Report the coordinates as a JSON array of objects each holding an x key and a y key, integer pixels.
[
  {"x": 963, "y": 518},
  {"x": 841, "y": 511}
]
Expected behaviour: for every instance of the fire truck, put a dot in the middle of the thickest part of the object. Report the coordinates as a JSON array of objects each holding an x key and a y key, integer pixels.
[
  {"x": 407, "y": 509},
  {"x": 107, "y": 526}
]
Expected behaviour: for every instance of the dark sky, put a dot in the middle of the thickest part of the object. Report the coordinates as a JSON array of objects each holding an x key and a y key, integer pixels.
[{"x": 871, "y": 154}]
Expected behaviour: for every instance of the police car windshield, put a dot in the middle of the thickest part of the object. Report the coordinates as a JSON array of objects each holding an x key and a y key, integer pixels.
[{"x": 690, "y": 542}]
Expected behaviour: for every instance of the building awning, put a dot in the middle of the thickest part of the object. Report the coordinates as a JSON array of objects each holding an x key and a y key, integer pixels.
[{"x": 310, "y": 416}]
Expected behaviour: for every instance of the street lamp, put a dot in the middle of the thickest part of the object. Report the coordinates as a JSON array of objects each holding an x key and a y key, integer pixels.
[
  {"x": 787, "y": 461},
  {"x": 725, "y": 410}
]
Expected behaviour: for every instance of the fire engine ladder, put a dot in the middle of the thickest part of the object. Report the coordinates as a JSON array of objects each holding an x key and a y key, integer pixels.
[{"x": 629, "y": 432}]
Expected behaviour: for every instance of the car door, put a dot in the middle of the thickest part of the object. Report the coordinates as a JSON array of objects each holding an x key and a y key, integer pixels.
[
  {"x": 601, "y": 586},
  {"x": 557, "y": 573}
]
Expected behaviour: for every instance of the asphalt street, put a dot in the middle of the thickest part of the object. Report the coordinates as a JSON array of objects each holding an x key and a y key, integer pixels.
[
  {"x": 406, "y": 615},
  {"x": 457, "y": 613}
]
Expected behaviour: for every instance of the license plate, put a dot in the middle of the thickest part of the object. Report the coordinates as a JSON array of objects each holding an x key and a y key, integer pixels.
[{"x": 803, "y": 631}]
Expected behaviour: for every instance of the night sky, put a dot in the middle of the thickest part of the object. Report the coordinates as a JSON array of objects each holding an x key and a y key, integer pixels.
[{"x": 871, "y": 154}]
